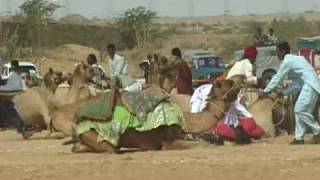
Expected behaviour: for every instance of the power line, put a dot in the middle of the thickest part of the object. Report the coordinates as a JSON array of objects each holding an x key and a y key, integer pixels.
[{"x": 190, "y": 9}]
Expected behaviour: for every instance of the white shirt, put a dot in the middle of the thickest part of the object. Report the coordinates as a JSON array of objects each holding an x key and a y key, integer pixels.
[
  {"x": 272, "y": 38},
  {"x": 236, "y": 109},
  {"x": 118, "y": 66},
  {"x": 243, "y": 67},
  {"x": 200, "y": 97},
  {"x": 14, "y": 83}
]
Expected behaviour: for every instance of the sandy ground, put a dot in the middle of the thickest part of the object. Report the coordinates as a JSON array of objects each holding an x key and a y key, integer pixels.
[{"x": 48, "y": 159}]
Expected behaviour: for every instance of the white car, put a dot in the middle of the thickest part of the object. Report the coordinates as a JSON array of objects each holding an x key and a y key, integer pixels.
[{"x": 25, "y": 67}]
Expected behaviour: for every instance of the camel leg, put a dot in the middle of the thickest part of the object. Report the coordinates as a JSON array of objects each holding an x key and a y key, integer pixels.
[
  {"x": 54, "y": 135},
  {"x": 90, "y": 139}
]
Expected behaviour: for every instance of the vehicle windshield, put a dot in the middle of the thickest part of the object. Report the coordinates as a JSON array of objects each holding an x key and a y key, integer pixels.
[
  {"x": 26, "y": 69},
  {"x": 210, "y": 62}
]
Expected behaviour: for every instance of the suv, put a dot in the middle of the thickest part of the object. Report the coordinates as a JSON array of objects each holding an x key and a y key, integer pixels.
[
  {"x": 267, "y": 62},
  {"x": 204, "y": 65},
  {"x": 27, "y": 68}
]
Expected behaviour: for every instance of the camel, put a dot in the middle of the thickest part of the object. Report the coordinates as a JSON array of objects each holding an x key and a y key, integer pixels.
[
  {"x": 269, "y": 112},
  {"x": 163, "y": 74},
  {"x": 36, "y": 105},
  {"x": 167, "y": 137}
]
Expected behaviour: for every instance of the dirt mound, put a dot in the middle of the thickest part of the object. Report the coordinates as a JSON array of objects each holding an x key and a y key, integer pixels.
[{"x": 64, "y": 57}]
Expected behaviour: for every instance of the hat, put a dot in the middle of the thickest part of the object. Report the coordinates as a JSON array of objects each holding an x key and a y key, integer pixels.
[{"x": 251, "y": 52}]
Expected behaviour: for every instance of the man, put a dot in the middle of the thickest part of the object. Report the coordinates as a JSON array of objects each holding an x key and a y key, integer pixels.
[
  {"x": 245, "y": 67},
  {"x": 98, "y": 73},
  {"x": 184, "y": 81},
  {"x": 7, "y": 109},
  {"x": 259, "y": 38},
  {"x": 127, "y": 83},
  {"x": 117, "y": 63},
  {"x": 309, "y": 92},
  {"x": 145, "y": 66},
  {"x": 14, "y": 81},
  {"x": 272, "y": 38}
]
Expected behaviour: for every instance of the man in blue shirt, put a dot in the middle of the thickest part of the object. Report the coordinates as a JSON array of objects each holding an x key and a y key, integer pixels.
[{"x": 308, "y": 97}]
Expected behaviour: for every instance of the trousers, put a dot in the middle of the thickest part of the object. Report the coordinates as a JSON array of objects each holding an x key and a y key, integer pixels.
[{"x": 303, "y": 110}]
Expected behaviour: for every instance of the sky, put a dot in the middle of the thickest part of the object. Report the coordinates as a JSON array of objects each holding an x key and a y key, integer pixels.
[{"x": 174, "y": 8}]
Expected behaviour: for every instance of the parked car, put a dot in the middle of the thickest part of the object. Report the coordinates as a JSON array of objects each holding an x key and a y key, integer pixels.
[
  {"x": 205, "y": 66},
  {"x": 267, "y": 62},
  {"x": 26, "y": 68}
]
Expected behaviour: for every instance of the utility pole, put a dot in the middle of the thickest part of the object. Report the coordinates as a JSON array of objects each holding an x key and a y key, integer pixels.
[
  {"x": 109, "y": 9},
  {"x": 284, "y": 7},
  {"x": 247, "y": 7},
  {"x": 152, "y": 5},
  {"x": 9, "y": 6},
  {"x": 227, "y": 12},
  {"x": 67, "y": 7}
]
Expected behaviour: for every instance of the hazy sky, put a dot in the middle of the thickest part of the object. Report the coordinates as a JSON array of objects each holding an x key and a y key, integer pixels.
[{"x": 103, "y": 8}]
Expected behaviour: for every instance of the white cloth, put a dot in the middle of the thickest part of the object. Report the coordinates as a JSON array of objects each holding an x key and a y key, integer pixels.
[
  {"x": 199, "y": 98},
  {"x": 14, "y": 83},
  {"x": 317, "y": 61},
  {"x": 236, "y": 109},
  {"x": 135, "y": 87},
  {"x": 273, "y": 39},
  {"x": 118, "y": 65},
  {"x": 100, "y": 67},
  {"x": 243, "y": 67}
]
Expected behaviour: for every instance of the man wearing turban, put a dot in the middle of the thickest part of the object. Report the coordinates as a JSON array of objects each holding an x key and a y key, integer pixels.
[{"x": 245, "y": 66}]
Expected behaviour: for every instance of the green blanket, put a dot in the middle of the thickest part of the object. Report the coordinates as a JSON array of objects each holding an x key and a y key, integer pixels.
[
  {"x": 99, "y": 111},
  {"x": 140, "y": 104},
  {"x": 165, "y": 114}
]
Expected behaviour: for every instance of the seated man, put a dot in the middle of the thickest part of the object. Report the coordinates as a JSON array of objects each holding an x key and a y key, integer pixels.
[
  {"x": 14, "y": 81},
  {"x": 245, "y": 67},
  {"x": 98, "y": 73},
  {"x": 7, "y": 109},
  {"x": 238, "y": 125},
  {"x": 242, "y": 73}
]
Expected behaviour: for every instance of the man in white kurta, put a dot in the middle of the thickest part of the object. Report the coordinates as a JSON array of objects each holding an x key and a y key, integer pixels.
[
  {"x": 118, "y": 65},
  {"x": 245, "y": 66},
  {"x": 308, "y": 97}
]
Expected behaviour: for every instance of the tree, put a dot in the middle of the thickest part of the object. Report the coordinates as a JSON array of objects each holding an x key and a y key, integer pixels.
[
  {"x": 37, "y": 15},
  {"x": 137, "y": 27}
]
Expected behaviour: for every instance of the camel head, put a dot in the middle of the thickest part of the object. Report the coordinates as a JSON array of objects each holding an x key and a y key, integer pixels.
[{"x": 224, "y": 89}]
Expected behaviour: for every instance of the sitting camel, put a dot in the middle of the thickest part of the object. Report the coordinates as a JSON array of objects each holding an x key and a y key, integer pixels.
[
  {"x": 44, "y": 101},
  {"x": 165, "y": 137},
  {"x": 271, "y": 114}
]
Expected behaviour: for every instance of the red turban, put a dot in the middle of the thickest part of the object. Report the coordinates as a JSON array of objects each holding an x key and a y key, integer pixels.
[{"x": 251, "y": 53}]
